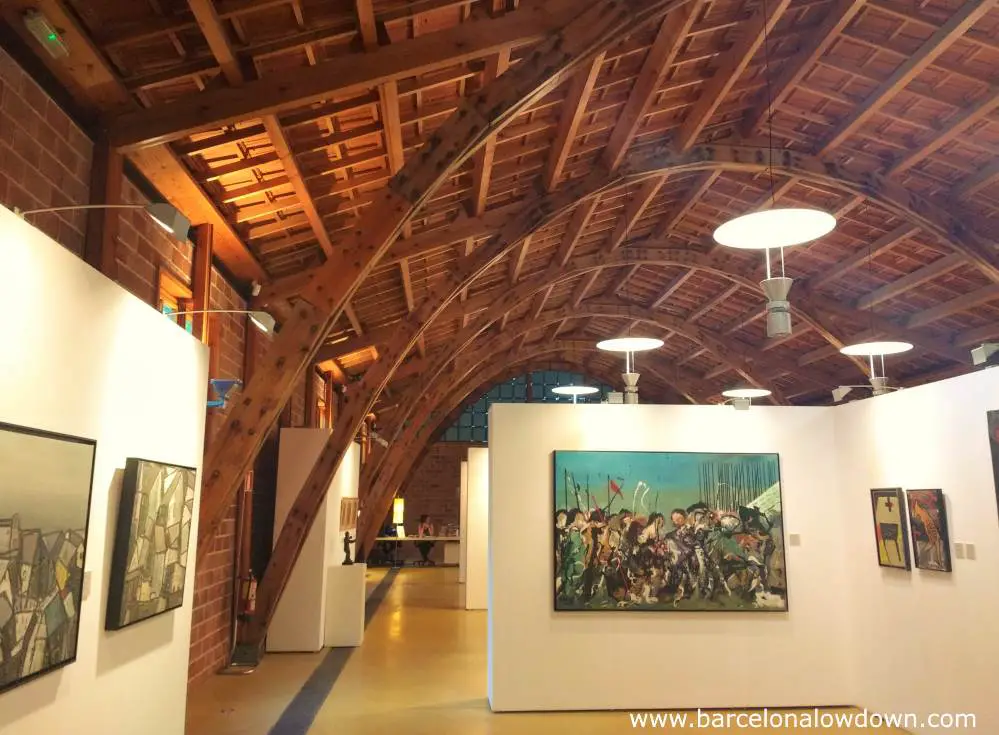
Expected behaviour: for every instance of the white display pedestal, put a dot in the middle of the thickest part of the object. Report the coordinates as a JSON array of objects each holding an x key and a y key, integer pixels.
[{"x": 345, "y": 605}]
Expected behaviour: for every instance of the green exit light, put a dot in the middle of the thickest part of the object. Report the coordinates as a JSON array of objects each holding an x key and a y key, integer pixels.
[{"x": 53, "y": 37}]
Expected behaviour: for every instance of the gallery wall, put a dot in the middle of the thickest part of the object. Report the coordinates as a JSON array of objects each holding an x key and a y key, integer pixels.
[
  {"x": 671, "y": 659},
  {"x": 476, "y": 531},
  {"x": 82, "y": 356},
  {"x": 924, "y": 641}
]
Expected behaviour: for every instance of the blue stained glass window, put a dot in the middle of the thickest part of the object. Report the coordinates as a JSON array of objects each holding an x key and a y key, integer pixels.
[
  {"x": 188, "y": 322},
  {"x": 473, "y": 423}
]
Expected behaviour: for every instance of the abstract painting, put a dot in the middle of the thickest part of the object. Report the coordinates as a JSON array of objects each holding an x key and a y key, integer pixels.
[
  {"x": 664, "y": 531},
  {"x": 928, "y": 522},
  {"x": 890, "y": 533},
  {"x": 993, "y": 419},
  {"x": 149, "y": 563},
  {"x": 45, "y": 482},
  {"x": 348, "y": 514}
]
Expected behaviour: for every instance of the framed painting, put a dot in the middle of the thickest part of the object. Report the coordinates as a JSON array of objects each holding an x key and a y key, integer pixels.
[
  {"x": 348, "y": 514},
  {"x": 152, "y": 536},
  {"x": 668, "y": 531},
  {"x": 993, "y": 419},
  {"x": 45, "y": 489},
  {"x": 888, "y": 506},
  {"x": 928, "y": 523}
]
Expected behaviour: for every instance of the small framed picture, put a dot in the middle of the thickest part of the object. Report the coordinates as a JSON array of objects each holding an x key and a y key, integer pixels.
[
  {"x": 928, "y": 522},
  {"x": 890, "y": 533}
]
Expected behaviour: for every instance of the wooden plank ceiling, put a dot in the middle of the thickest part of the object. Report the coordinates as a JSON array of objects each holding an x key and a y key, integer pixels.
[{"x": 282, "y": 118}]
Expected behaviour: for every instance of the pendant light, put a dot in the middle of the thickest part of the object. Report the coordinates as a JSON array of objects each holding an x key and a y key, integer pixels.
[
  {"x": 575, "y": 391},
  {"x": 776, "y": 227},
  {"x": 629, "y": 345},
  {"x": 741, "y": 397}
]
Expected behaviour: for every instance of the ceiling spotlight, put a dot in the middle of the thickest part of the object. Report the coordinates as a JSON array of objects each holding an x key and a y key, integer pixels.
[
  {"x": 775, "y": 228},
  {"x": 575, "y": 391},
  {"x": 630, "y": 344}
]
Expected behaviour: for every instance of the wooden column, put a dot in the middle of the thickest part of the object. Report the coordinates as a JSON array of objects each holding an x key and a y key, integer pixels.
[
  {"x": 106, "y": 177},
  {"x": 201, "y": 279},
  {"x": 310, "y": 398}
]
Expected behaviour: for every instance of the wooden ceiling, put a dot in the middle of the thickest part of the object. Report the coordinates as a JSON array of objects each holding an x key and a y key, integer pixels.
[{"x": 280, "y": 120}]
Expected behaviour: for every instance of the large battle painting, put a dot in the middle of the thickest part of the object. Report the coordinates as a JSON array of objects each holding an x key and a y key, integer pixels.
[
  {"x": 668, "y": 531},
  {"x": 45, "y": 482},
  {"x": 149, "y": 564}
]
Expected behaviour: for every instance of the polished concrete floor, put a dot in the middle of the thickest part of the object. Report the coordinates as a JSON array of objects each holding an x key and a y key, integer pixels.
[{"x": 421, "y": 671}]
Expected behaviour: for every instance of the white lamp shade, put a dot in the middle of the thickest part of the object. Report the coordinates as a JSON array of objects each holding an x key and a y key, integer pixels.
[
  {"x": 263, "y": 321},
  {"x": 575, "y": 390},
  {"x": 746, "y": 392},
  {"x": 775, "y": 228},
  {"x": 169, "y": 218},
  {"x": 873, "y": 349},
  {"x": 630, "y": 344}
]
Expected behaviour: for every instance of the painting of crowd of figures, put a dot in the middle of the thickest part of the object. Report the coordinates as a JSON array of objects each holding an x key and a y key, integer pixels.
[
  {"x": 149, "y": 563},
  {"x": 45, "y": 482},
  {"x": 666, "y": 531}
]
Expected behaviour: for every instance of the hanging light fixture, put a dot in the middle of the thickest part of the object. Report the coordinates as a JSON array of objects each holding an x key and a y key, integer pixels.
[
  {"x": 774, "y": 227},
  {"x": 575, "y": 391},
  {"x": 741, "y": 397},
  {"x": 630, "y": 344}
]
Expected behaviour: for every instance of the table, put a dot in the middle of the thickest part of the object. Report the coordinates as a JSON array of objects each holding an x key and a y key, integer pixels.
[{"x": 416, "y": 539}]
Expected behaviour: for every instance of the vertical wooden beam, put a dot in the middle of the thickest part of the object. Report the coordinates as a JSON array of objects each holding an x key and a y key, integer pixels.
[
  {"x": 331, "y": 401},
  {"x": 251, "y": 350},
  {"x": 573, "y": 111},
  {"x": 956, "y": 26},
  {"x": 310, "y": 399},
  {"x": 407, "y": 284},
  {"x": 201, "y": 279},
  {"x": 517, "y": 260},
  {"x": 388, "y": 95},
  {"x": 658, "y": 62},
  {"x": 732, "y": 65},
  {"x": 352, "y": 318},
  {"x": 101, "y": 240}
]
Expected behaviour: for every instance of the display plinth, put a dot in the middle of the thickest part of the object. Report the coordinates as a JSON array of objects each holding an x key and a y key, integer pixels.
[
  {"x": 345, "y": 605},
  {"x": 452, "y": 553}
]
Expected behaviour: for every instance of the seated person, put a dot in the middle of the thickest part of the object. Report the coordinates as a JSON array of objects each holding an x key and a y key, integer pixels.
[{"x": 426, "y": 528}]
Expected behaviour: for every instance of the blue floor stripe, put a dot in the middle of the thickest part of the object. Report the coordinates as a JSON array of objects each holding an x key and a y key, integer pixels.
[{"x": 299, "y": 715}]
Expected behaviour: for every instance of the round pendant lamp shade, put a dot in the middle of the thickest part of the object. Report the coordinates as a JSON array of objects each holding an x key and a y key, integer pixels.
[
  {"x": 630, "y": 344},
  {"x": 746, "y": 392},
  {"x": 575, "y": 390},
  {"x": 873, "y": 349},
  {"x": 775, "y": 228}
]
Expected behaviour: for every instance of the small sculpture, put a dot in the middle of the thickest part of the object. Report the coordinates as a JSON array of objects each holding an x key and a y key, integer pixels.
[{"x": 347, "y": 541}]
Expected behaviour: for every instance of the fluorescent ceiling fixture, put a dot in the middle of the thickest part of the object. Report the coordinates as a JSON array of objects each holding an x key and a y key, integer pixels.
[
  {"x": 873, "y": 349},
  {"x": 775, "y": 228},
  {"x": 575, "y": 390},
  {"x": 630, "y": 344},
  {"x": 746, "y": 393}
]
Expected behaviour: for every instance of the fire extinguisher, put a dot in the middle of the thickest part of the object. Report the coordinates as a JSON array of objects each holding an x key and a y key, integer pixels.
[{"x": 248, "y": 598}]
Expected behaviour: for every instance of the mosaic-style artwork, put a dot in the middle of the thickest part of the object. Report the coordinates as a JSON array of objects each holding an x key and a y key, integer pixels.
[
  {"x": 45, "y": 482},
  {"x": 928, "y": 522},
  {"x": 890, "y": 533},
  {"x": 667, "y": 531},
  {"x": 149, "y": 565}
]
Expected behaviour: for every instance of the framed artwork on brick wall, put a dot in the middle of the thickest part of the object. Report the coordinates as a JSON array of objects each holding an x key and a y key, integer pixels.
[{"x": 152, "y": 538}]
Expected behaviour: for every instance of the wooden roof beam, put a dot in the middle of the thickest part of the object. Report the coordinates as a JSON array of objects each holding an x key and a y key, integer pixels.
[
  {"x": 697, "y": 190},
  {"x": 573, "y": 111},
  {"x": 577, "y": 225},
  {"x": 671, "y": 289},
  {"x": 341, "y": 76},
  {"x": 658, "y": 63},
  {"x": 984, "y": 177},
  {"x": 957, "y": 25},
  {"x": 883, "y": 244},
  {"x": 483, "y": 160},
  {"x": 634, "y": 210},
  {"x": 585, "y": 284},
  {"x": 912, "y": 280},
  {"x": 622, "y": 280},
  {"x": 709, "y": 305},
  {"x": 517, "y": 260},
  {"x": 796, "y": 68},
  {"x": 730, "y": 69},
  {"x": 954, "y": 306}
]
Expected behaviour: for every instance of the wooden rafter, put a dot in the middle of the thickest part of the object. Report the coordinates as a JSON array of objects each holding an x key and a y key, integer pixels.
[
  {"x": 574, "y": 108},
  {"x": 483, "y": 161},
  {"x": 912, "y": 280},
  {"x": 881, "y": 245},
  {"x": 732, "y": 64},
  {"x": 697, "y": 190},
  {"x": 957, "y": 25},
  {"x": 577, "y": 224},
  {"x": 633, "y": 212}
]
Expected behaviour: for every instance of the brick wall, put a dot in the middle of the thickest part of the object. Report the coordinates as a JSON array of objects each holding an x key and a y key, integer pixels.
[
  {"x": 44, "y": 157},
  {"x": 435, "y": 486}
]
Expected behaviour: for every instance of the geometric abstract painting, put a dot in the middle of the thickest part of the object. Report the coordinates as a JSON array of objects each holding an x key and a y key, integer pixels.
[
  {"x": 149, "y": 563},
  {"x": 928, "y": 521},
  {"x": 45, "y": 482},
  {"x": 890, "y": 532},
  {"x": 668, "y": 531}
]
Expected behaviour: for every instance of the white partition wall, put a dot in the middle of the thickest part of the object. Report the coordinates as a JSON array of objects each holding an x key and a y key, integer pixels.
[
  {"x": 82, "y": 356},
  {"x": 925, "y": 641},
  {"x": 542, "y": 660},
  {"x": 300, "y": 618},
  {"x": 477, "y": 533},
  {"x": 463, "y": 527}
]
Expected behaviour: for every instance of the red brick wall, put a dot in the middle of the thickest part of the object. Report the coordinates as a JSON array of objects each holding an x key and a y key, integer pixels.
[
  {"x": 44, "y": 157},
  {"x": 435, "y": 486}
]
